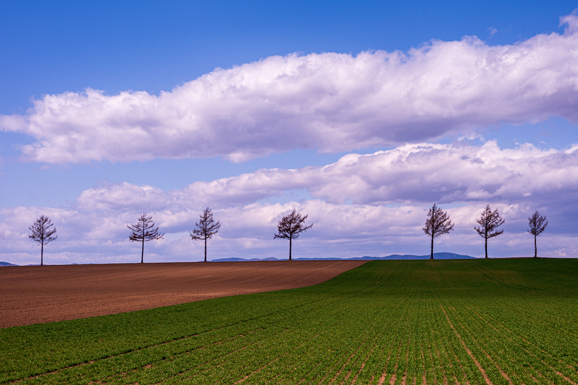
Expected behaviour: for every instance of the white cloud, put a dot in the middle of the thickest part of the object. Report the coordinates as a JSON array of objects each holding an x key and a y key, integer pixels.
[
  {"x": 122, "y": 197},
  {"x": 331, "y": 102},
  {"x": 570, "y": 21},
  {"x": 338, "y": 231},
  {"x": 416, "y": 173},
  {"x": 361, "y": 205}
]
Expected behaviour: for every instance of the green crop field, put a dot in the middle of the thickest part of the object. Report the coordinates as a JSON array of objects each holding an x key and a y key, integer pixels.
[{"x": 413, "y": 322}]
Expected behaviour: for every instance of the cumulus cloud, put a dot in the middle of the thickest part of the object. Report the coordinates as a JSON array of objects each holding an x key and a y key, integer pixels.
[
  {"x": 450, "y": 173},
  {"x": 409, "y": 174},
  {"x": 122, "y": 197},
  {"x": 570, "y": 21},
  {"x": 339, "y": 231},
  {"x": 331, "y": 102},
  {"x": 370, "y": 204},
  {"x": 365, "y": 200}
]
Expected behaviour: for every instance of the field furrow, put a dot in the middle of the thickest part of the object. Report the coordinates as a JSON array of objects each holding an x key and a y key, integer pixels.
[{"x": 385, "y": 322}]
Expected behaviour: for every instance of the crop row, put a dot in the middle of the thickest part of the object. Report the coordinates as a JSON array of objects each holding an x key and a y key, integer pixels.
[{"x": 402, "y": 322}]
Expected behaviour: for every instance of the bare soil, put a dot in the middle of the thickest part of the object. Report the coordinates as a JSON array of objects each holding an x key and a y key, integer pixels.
[{"x": 38, "y": 294}]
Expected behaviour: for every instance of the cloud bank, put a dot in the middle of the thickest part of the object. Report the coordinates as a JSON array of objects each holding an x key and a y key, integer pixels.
[
  {"x": 331, "y": 102},
  {"x": 359, "y": 204},
  {"x": 410, "y": 174}
]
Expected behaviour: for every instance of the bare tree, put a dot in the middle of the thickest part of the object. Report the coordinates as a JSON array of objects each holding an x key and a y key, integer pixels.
[
  {"x": 290, "y": 227},
  {"x": 143, "y": 231},
  {"x": 206, "y": 228},
  {"x": 489, "y": 222},
  {"x": 437, "y": 223},
  {"x": 43, "y": 232},
  {"x": 537, "y": 225}
]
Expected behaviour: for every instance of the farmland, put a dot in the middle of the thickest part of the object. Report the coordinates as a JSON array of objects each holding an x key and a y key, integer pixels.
[
  {"x": 39, "y": 294},
  {"x": 405, "y": 322}
]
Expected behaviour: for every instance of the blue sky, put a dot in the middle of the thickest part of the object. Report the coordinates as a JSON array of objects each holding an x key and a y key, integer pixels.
[{"x": 108, "y": 109}]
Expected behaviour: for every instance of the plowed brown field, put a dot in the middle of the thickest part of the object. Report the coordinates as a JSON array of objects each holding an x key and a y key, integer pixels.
[{"x": 38, "y": 294}]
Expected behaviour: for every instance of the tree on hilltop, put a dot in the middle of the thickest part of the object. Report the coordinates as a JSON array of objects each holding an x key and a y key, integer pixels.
[
  {"x": 537, "y": 225},
  {"x": 143, "y": 231},
  {"x": 437, "y": 223},
  {"x": 206, "y": 228},
  {"x": 489, "y": 222},
  {"x": 43, "y": 232},
  {"x": 290, "y": 227}
]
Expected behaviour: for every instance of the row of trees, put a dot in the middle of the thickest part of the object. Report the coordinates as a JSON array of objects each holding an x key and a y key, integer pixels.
[
  {"x": 291, "y": 226},
  {"x": 144, "y": 230},
  {"x": 438, "y": 223}
]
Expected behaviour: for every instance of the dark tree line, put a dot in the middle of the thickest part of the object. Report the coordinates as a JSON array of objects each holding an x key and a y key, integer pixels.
[
  {"x": 289, "y": 227},
  {"x": 292, "y": 225},
  {"x": 438, "y": 223},
  {"x": 144, "y": 230}
]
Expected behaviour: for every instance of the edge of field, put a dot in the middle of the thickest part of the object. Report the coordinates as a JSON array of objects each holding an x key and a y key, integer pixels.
[{"x": 40, "y": 294}]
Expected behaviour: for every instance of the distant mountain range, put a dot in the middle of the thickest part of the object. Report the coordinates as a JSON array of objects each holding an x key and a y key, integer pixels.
[
  {"x": 245, "y": 260},
  {"x": 409, "y": 256},
  {"x": 365, "y": 258}
]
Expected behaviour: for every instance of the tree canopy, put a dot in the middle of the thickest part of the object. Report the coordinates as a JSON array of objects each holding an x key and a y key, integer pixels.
[
  {"x": 43, "y": 232},
  {"x": 205, "y": 228},
  {"x": 290, "y": 227},
  {"x": 144, "y": 231},
  {"x": 537, "y": 224},
  {"x": 437, "y": 224},
  {"x": 489, "y": 222}
]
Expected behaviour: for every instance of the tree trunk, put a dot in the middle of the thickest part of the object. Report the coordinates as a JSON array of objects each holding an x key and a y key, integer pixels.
[
  {"x": 142, "y": 250},
  {"x": 42, "y": 254},
  {"x": 290, "y": 244},
  {"x": 205, "y": 249},
  {"x": 486, "y": 246},
  {"x": 432, "y": 242},
  {"x": 535, "y": 247}
]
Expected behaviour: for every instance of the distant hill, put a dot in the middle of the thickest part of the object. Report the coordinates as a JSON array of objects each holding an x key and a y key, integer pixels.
[
  {"x": 245, "y": 260},
  {"x": 436, "y": 256},
  {"x": 410, "y": 256},
  {"x": 364, "y": 258},
  {"x": 7, "y": 264}
]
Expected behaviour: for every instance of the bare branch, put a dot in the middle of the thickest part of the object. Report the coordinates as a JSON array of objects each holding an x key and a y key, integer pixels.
[
  {"x": 144, "y": 231},
  {"x": 537, "y": 225},
  {"x": 290, "y": 227},
  {"x": 206, "y": 228},
  {"x": 489, "y": 222},
  {"x": 43, "y": 232},
  {"x": 437, "y": 224}
]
